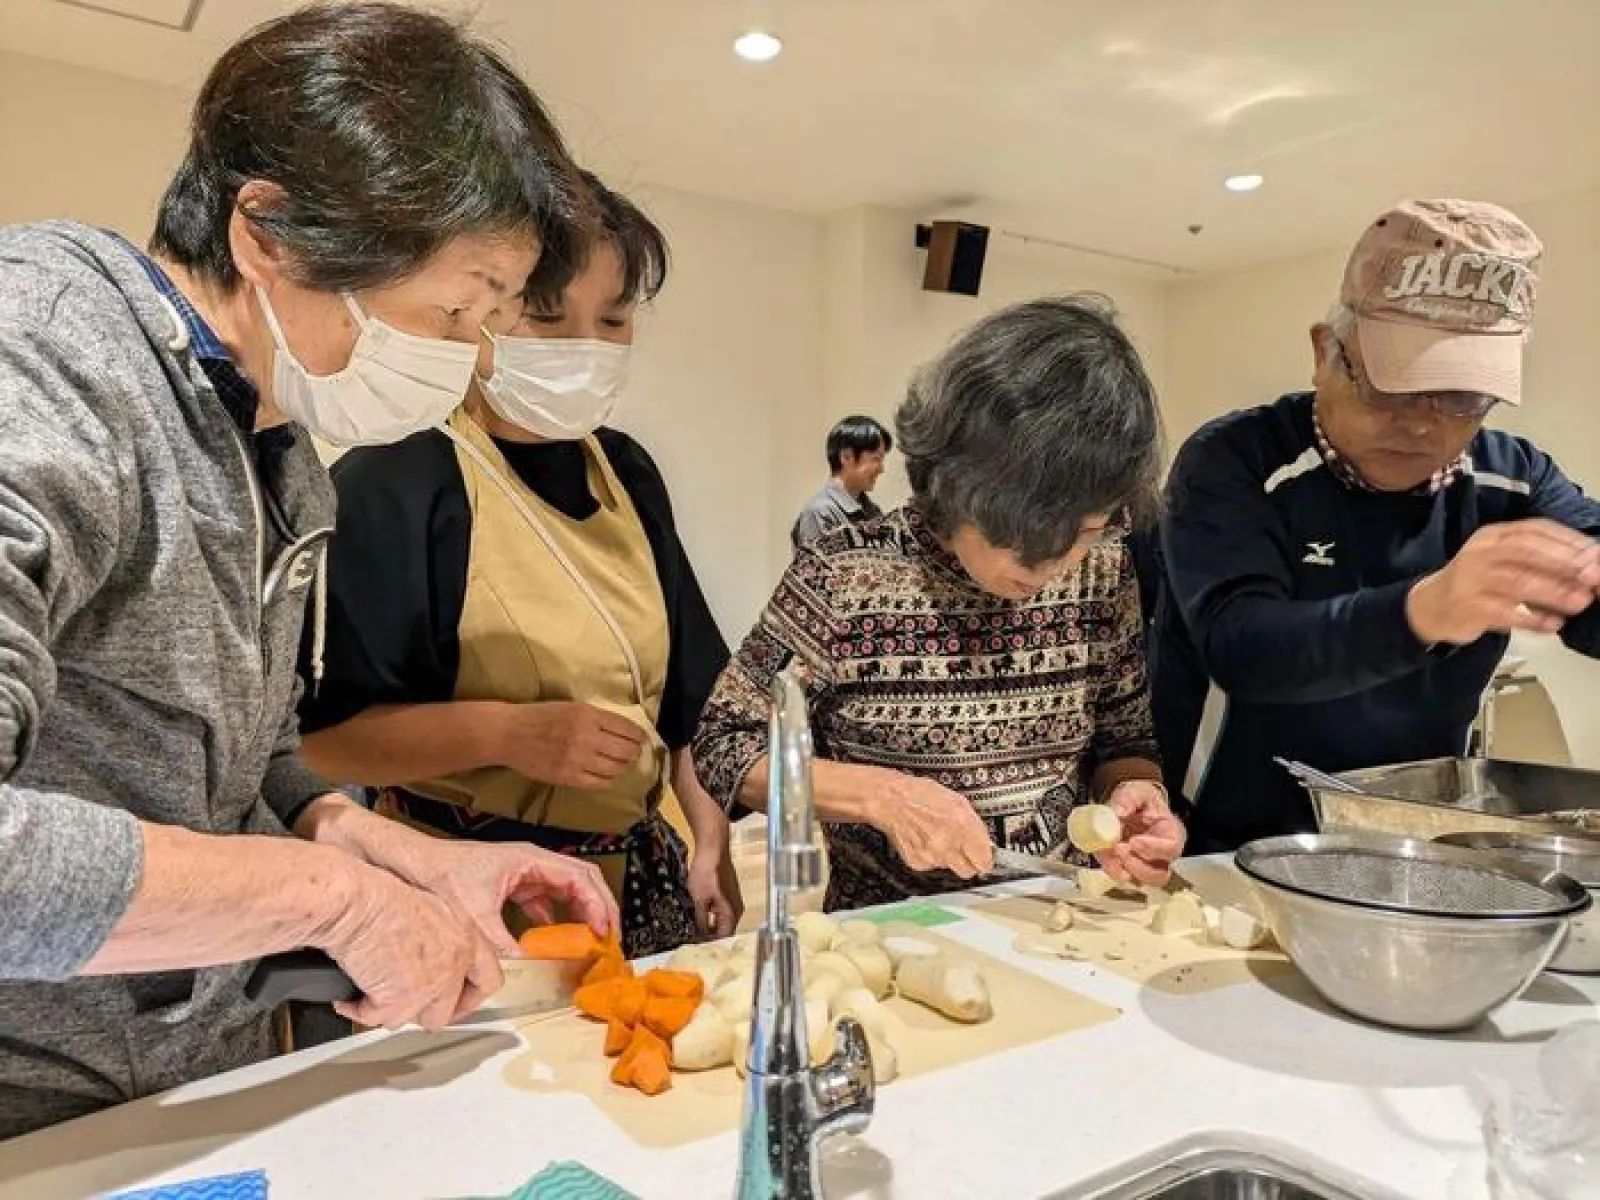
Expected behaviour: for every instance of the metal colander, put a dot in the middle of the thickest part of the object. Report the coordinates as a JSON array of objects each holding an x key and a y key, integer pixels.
[
  {"x": 1406, "y": 932},
  {"x": 1399, "y": 882}
]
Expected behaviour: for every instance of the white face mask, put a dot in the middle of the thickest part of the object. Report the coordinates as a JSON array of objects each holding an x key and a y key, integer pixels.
[
  {"x": 395, "y": 384},
  {"x": 557, "y": 388}
]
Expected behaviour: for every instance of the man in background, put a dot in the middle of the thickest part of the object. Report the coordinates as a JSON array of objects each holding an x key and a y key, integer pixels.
[
  {"x": 857, "y": 448},
  {"x": 1344, "y": 566}
]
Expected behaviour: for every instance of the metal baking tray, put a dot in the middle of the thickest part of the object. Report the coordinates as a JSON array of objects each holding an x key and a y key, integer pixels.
[{"x": 1463, "y": 795}]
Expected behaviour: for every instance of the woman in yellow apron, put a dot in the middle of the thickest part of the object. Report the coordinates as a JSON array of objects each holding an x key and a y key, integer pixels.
[{"x": 517, "y": 648}]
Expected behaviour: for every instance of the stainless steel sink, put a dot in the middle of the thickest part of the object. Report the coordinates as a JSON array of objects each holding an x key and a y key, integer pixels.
[{"x": 1214, "y": 1173}]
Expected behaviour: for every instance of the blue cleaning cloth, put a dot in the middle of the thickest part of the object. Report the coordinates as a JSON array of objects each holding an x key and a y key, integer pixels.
[
  {"x": 569, "y": 1181},
  {"x": 248, "y": 1185}
]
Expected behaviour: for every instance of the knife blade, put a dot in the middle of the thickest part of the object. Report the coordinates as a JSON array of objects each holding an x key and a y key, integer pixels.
[
  {"x": 313, "y": 977},
  {"x": 1030, "y": 864}
]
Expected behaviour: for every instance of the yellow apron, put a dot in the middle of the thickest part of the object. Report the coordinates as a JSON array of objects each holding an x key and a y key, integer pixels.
[{"x": 557, "y": 609}]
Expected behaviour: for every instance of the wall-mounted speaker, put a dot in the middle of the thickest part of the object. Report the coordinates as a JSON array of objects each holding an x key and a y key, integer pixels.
[{"x": 955, "y": 256}]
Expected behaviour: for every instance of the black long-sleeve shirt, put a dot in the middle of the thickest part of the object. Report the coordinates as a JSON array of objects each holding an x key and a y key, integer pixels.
[{"x": 1286, "y": 589}]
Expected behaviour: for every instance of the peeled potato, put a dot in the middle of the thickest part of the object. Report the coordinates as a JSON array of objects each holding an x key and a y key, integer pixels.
[
  {"x": 1094, "y": 828},
  {"x": 704, "y": 1043},
  {"x": 1179, "y": 916},
  {"x": 1242, "y": 929},
  {"x": 865, "y": 1008},
  {"x": 833, "y": 961},
  {"x": 900, "y": 948},
  {"x": 947, "y": 985},
  {"x": 855, "y": 933},
  {"x": 824, "y": 985},
  {"x": 815, "y": 931},
  {"x": 819, "y": 1031},
  {"x": 1094, "y": 883},
  {"x": 741, "y": 1048},
  {"x": 735, "y": 997},
  {"x": 872, "y": 961},
  {"x": 1060, "y": 917}
]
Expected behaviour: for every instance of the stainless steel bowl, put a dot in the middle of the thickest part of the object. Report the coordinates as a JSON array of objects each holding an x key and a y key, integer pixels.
[
  {"x": 1406, "y": 932},
  {"x": 1577, "y": 857}
]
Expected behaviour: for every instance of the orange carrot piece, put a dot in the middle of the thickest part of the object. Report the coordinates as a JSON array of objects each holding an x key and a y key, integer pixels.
[
  {"x": 608, "y": 967},
  {"x": 560, "y": 943},
  {"x": 667, "y": 1016},
  {"x": 676, "y": 985},
  {"x": 652, "y": 1072},
  {"x": 646, "y": 1064},
  {"x": 599, "y": 1000},
  {"x": 618, "y": 1036},
  {"x": 630, "y": 1001}
]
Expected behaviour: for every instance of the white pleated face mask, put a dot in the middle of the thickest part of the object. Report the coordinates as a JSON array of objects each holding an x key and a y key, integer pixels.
[
  {"x": 395, "y": 384},
  {"x": 557, "y": 388}
]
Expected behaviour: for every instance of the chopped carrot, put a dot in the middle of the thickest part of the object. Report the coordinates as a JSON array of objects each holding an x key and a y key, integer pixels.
[
  {"x": 645, "y": 1064},
  {"x": 652, "y": 1073},
  {"x": 607, "y": 967},
  {"x": 630, "y": 1000},
  {"x": 676, "y": 985},
  {"x": 599, "y": 1000},
  {"x": 667, "y": 1016},
  {"x": 560, "y": 943},
  {"x": 618, "y": 1036}
]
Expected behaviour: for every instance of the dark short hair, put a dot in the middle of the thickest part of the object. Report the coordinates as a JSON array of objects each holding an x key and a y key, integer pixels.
[
  {"x": 1038, "y": 417},
  {"x": 638, "y": 241},
  {"x": 390, "y": 132},
  {"x": 860, "y": 435}
]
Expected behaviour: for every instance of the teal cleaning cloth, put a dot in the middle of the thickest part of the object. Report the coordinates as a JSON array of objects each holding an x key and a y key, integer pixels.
[
  {"x": 248, "y": 1185},
  {"x": 569, "y": 1181}
]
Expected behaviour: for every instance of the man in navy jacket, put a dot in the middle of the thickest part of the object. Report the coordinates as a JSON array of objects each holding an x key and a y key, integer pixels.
[{"x": 1345, "y": 566}]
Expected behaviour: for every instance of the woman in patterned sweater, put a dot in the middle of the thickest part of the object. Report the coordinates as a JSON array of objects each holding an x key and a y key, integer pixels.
[{"x": 974, "y": 660}]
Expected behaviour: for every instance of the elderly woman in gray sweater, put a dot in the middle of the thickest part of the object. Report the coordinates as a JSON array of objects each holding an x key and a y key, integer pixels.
[
  {"x": 366, "y": 183},
  {"x": 974, "y": 660}
]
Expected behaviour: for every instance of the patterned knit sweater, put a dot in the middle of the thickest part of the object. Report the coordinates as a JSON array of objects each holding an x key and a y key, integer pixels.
[{"x": 1027, "y": 708}]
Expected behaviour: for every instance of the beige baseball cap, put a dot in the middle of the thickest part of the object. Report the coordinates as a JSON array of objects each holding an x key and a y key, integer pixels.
[{"x": 1443, "y": 293}]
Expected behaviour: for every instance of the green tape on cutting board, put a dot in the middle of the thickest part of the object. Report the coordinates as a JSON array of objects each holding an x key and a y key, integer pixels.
[{"x": 915, "y": 913}]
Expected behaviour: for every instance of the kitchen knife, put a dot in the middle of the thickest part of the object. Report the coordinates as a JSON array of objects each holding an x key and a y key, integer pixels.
[
  {"x": 314, "y": 978},
  {"x": 1029, "y": 864}
]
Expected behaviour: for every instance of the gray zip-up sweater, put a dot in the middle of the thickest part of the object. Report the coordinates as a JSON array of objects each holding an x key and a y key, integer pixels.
[{"x": 154, "y": 564}]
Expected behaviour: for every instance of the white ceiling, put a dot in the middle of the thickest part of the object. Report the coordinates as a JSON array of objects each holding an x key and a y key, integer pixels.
[{"x": 1109, "y": 123}]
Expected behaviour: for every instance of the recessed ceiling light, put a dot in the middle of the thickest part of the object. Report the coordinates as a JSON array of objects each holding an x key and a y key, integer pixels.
[
  {"x": 1243, "y": 183},
  {"x": 757, "y": 46}
]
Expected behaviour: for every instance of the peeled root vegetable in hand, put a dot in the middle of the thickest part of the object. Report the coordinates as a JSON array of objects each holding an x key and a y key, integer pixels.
[
  {"x": 947, "y": 985},
  {"x": 1094, "y": 828}
]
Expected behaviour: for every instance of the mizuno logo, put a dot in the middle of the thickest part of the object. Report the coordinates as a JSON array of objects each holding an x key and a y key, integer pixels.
[{"x": 1317, "y": 554}]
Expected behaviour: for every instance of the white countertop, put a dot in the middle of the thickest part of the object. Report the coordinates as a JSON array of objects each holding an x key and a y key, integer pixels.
[{"x": 428, "y": 1115}]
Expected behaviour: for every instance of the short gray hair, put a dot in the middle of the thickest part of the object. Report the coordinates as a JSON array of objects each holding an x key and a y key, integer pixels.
[{"x": 1038, "y": 417}]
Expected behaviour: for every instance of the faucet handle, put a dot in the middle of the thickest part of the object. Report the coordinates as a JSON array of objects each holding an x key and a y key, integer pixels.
[
  {"x": 842, "y": 1089},
  {"x": 794, "y": 860}
]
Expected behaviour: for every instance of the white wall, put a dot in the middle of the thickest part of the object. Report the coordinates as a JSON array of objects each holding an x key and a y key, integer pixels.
[
  {"x": 881, "y": 325},
  {"x": 1241, "y": 339},
  {"x": 729, "y": 371},
  {"x": 87, "y": 145},
  {"x": 729, "y": 363}
]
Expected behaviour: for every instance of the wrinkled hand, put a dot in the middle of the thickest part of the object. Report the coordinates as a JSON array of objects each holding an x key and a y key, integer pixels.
[
  {"x": 478, "y": 880},
  {"x": 714, "y": 887},
  {"x": 932, "y": 828},
  {"x": 1152, "y": 837},
  {"x": 570, "y": 743},
  {"x": 415, "y": 960},
  {"x": 1518, "y": 575}
]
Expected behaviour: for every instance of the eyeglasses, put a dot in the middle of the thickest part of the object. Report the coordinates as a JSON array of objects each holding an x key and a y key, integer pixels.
[{"x": 1457, "y": 406}]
